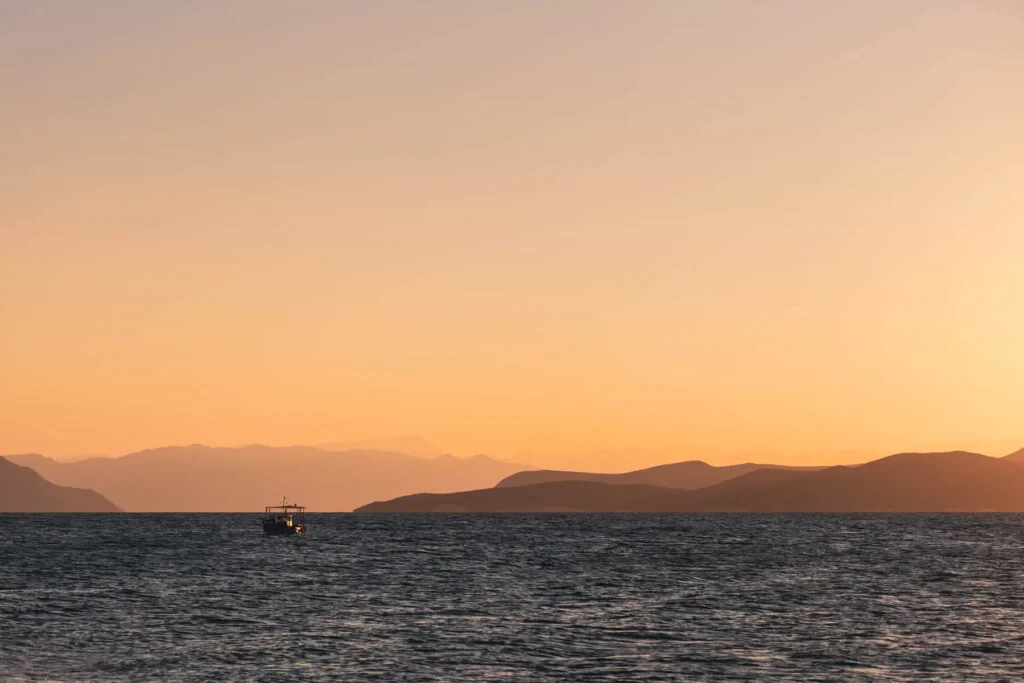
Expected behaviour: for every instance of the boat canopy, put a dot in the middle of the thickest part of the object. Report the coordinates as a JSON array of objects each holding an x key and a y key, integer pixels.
[{"x": 286, "y": 508}]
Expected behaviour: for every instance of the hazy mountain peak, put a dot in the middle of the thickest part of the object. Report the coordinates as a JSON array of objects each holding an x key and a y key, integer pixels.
[
  {"x": 22, "y": 489},
  {"x": 475, "y": 458},
  {"x": 410, "y": 445},
  {"x": 203, "y": 478}
]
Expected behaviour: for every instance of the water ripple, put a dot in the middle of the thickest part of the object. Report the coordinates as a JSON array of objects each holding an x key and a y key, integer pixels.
[{"x": 513, "y": 597}]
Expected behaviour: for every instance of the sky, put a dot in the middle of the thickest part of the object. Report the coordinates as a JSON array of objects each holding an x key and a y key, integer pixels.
[{"x": 513, "y": 227}]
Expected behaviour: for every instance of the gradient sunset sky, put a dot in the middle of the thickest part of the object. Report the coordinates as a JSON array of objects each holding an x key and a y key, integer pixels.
[{"x": 513, "y": 226}]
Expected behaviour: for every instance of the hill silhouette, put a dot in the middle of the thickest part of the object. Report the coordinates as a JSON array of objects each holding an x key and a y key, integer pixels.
[
  {"x": 1016, "y": 456},
  {"x": 692, "y": 474},
  {"x": 24, "y": 490},
  {"x": 612, "y": 460},
  {"x": 554, "y": 496},
  {"x": 200, "y": 478},
  {"x": 908, "y": 482}
]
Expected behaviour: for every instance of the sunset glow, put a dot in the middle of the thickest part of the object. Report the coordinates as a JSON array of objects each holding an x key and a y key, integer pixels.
[{"x": 542, "y": 231}]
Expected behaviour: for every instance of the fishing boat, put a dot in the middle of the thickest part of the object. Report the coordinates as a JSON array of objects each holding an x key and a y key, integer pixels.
[{"x": 284, "y": 519}]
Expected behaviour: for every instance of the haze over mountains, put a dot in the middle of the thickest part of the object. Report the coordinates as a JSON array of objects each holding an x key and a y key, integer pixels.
[
  {"x": 908, "y": 482},
  {"x": 199, "y": 478},
  {"x": 23, "y": 490},
  {"x": 409, "y": 445}
]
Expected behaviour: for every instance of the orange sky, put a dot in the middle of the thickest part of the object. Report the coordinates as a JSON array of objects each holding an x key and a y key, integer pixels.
[{"x": 553, "y": 227}]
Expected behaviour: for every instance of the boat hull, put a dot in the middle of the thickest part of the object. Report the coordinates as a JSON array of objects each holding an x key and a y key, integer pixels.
[{"x": 283, "y": 529}]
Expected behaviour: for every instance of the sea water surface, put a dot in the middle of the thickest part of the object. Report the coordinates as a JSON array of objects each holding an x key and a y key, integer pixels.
[{"x": 513, "y": 597}]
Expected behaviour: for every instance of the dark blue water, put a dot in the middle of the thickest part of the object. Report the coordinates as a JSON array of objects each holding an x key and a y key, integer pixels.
[{"x": 513, "y": 597}]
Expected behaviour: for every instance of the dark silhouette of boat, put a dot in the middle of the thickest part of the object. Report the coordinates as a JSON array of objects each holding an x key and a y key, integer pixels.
[{"x": 284, "y": 519}]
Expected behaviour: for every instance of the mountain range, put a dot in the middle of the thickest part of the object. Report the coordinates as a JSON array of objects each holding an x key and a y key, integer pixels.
[
  {"x": 23, "y": 490},
  {"x": 200, "y": 478},
  {"x": 907, "y": 482},
  {"x": 692, "y": 474}
]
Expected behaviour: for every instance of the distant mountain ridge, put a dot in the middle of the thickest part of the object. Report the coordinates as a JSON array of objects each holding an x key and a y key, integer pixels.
[
  {"x": 1016, "y": 456},
  {"x": 198, "y": 478},
  {"x": 692, "y": 474},
  {"x": 610, "y": 460},
  {"x": 23, "y": 490},
  {"x": 409, "y": 445},
  {"x": 907, "y": 482}
]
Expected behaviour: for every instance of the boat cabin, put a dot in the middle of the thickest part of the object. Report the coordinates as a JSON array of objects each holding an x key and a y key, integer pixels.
[{"x": 284, "y": 519}]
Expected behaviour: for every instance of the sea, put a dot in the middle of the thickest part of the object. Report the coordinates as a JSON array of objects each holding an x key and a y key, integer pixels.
[{"x": 513, "y": 597}]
